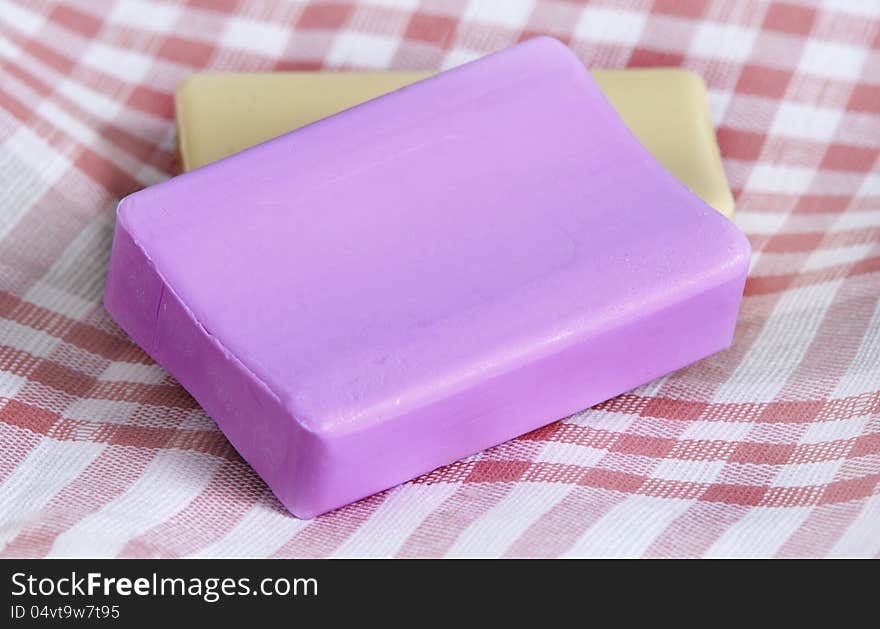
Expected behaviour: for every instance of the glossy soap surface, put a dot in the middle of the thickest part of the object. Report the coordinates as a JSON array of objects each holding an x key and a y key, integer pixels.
[
  {"x": 424, "y": 276},
  {"x": 666, "y": 109}
]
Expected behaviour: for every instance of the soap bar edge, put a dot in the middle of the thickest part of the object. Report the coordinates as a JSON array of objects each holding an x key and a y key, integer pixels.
[
  {"x": 307, "y": 453},
  {"x": 299, "y": 448}
]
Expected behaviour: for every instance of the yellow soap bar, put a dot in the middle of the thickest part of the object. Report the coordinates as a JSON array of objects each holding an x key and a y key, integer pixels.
[{"x": 221, "y": 114}]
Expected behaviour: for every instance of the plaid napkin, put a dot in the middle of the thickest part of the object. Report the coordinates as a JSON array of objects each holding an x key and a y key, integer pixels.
[{"x": 771, "y": 448}]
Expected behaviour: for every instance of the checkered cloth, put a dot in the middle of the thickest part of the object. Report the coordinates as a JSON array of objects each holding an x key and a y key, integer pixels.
[{"x": 771, "y": 448}]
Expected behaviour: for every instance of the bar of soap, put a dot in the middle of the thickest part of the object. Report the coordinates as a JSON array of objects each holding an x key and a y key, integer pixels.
[
  {"x": 666, "y": 109},
  {"x": 426, "y": 275}
]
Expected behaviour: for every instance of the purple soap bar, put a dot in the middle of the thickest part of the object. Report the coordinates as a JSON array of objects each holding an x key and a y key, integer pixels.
[{"x": 424, "y": 276}]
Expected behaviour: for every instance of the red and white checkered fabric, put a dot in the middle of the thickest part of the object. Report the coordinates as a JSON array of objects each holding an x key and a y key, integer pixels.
[{"x": 771, "y": 448}]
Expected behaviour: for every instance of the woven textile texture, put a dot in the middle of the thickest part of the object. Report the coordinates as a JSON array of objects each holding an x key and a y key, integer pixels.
[{"x": 771, "y": 448}]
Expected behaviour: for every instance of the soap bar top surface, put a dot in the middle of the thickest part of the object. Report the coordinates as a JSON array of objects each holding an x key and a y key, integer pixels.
[
  {"x": 378, "y": 260},
  {"x": 666, "y": 108}
]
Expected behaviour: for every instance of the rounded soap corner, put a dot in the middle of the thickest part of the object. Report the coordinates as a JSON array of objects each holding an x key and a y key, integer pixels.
[
  {"x": 694, "y": 81},
  {"x": 727, "y": 207},
  {"x": 723, "y": 202},
  {"x": 548, "y": 41},
  {"x": 741, "y": 249},
  {"x": 186, "y": 84},
  {"x": 303, "y": 512},
  {"x": 306, "y": 421},
  {"x": 125, "y": 207}
]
